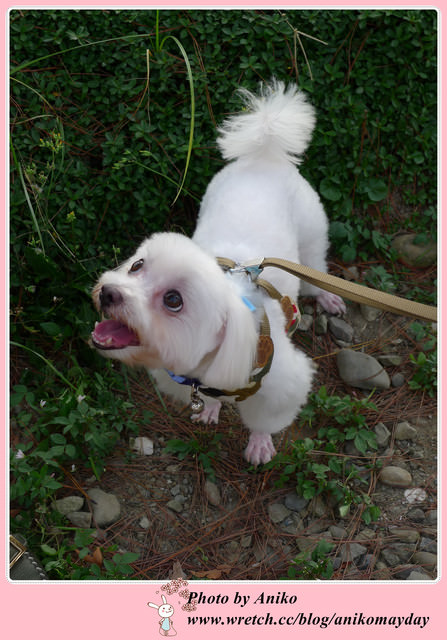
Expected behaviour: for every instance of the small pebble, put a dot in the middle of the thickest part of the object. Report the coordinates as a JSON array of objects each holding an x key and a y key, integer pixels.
[
  {"x": 175, "y": 505},
  {"x": 415, "y": 495},
  {"x": 383, "y": 435},
  {"x": 278, "y": 512},
  {"x": 405, "y": 431},
  {"x": 295, "y": 502},
  {"x": 144, "y": 522},
  {"x": 143, "y": 446},
  {"x": 352, "y": 551},
  {"x": 395, "y": 477},
  {"x": 81, "y": 519},
  {"x": 416, "y": 515},
  {"x": 397, "y": 380},
  {"x": 305, "y": 322},
  {"x": 106, "y": 508},
  {"x": 340, "y": 329},
  {"x": 69, "y": 504},
  {"x": 425, "y": 559},
  {"x": 212, "y": 493}
]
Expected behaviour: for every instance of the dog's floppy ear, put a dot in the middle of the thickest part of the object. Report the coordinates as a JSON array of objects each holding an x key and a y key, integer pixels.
[{"x": 233, "y": 361}]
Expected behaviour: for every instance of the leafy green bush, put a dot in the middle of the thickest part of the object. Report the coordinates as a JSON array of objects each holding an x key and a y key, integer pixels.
[
  {"x": 104, "y": 100},
  {"x": 425, "y": 361},
  {"x": 318, "y": 465},
  {"x": 313, "y": 564},
  {"x": 204, "y": 447}
]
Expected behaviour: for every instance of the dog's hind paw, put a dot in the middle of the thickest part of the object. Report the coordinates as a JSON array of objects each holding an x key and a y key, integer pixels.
[
  {"x": 331, "y": 303},
  {"x": 260, "y": 449}
]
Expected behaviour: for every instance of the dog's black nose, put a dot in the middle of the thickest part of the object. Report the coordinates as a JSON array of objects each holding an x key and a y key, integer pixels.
[{"x": 109, "y": 295}]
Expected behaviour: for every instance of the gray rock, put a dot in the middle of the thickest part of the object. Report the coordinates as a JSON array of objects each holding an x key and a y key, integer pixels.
[
  {"x": 278, "y": 512},
  {"x": 390, "y": 557},
  {"x": 175, "y": 505},
  {"x": 427, "y": 544},
  {"x": 366, "y": 534},
  {"x": 318, "y": 526},
  {"x": 143, "y": 446},
  {"x": 367, "y": 562},
  {"x": 318, "y": 507},
  {"x": 383, "y": 435},
  {"x": 309, "y": 309},
  {"x": 406, "y": 535},
  {"x": 415, "y": 495},
  {"x": 292, "y": 524},
  {"x": 370, "y": 313},
  {"x": 69, "y": 504},
  {"x": 337, "y": 532},
  {"x": 212, "y": 493},
  {"x": 403, "y": 550},
  {"x": 432, "y": 517},
  {"x": 419, "y": 575},
  {"x": 403, "y": 572},
  {"x": 361, "y": 370},
  {"x": 232, "y": 551},
  {"x": 246, "y": 541},
  {"x": 398, "y": 380},
  {"x": 395, "y": 477},
  {"x": 340, "y": 329},
  {"x": 352, "y": 551},
  {"x": 106, "y": 508},
  {"x": 295, "y": 502},
  {"x": 172, "y": 468},
  {"x": 405, "y": 431},
  {"x": 305, "y": 322},
  {"x": 383, "y": 573},
  {"x": 144, "y": 522},
  {"x": 307, "y": 543},
  {"x": 175, "y": 490},
  {"x": 390, "y": 360},
  {"x": 425, "y": 559},
  {"x": 81, "y": 519},
  {"x": 156, "y": 493},
  {"x": 414, "y": 254},
  {"x": 321, "y": 325},
  {"x": 416, "y": 515}
]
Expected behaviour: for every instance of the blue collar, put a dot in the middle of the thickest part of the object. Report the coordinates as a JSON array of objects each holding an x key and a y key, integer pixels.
[{"x": 190, "y": 382}]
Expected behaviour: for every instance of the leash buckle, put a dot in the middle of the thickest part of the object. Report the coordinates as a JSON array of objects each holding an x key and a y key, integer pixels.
[{"x": 253, "y": 268}]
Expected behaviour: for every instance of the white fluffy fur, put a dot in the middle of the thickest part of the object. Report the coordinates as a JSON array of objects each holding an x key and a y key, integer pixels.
[{"x": 256, "y": 206}]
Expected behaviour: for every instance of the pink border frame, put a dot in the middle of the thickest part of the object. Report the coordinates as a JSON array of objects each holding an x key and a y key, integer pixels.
[{"x": 119, "y": 610}]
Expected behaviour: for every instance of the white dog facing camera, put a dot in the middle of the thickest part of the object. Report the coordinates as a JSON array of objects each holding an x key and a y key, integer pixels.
[{"x": 206, "y": 330}]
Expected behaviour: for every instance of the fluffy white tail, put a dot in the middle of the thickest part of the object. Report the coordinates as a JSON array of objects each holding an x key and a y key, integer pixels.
[{"x": 277, "y": 123}]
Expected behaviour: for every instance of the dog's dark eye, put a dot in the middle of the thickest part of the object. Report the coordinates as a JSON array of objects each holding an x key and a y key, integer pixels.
[
  {"x": 173, "y": 301},
  {"x": 136, "y": 266}
]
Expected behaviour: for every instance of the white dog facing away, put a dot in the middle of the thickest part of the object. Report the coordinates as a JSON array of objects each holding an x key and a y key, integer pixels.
[{"x": 209, "y": 333}]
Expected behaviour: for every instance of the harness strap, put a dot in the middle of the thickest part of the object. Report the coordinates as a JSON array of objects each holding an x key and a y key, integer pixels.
[{"x": 264, "y": 357}]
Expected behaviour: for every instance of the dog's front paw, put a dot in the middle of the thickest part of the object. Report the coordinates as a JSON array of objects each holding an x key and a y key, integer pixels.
[
  {"x": 209, "y": 414},
  {"x": 331, "y": 303},
  {"x": 260, "y": 449}
]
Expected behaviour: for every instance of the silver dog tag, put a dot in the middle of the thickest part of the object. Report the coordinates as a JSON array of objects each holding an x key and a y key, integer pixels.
[{"x": 197, "y": 405}]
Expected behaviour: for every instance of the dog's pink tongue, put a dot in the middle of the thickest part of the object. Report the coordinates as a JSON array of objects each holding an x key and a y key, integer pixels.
[{"x": 111, "y": 334}]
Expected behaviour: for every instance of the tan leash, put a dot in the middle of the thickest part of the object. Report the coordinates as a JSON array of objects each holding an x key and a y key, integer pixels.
[{"x": 344, "y": 288}]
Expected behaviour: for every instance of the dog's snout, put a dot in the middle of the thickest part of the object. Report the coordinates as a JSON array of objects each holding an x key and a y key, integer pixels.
[{"x": 109, "y": 296}]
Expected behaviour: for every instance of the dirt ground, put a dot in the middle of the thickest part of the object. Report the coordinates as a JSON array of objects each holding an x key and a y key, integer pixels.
[{"x": 237, "y": 539}]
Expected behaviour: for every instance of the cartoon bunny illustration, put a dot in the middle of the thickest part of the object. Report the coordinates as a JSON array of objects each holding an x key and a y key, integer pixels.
[{"x": 165, "y": 611}]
